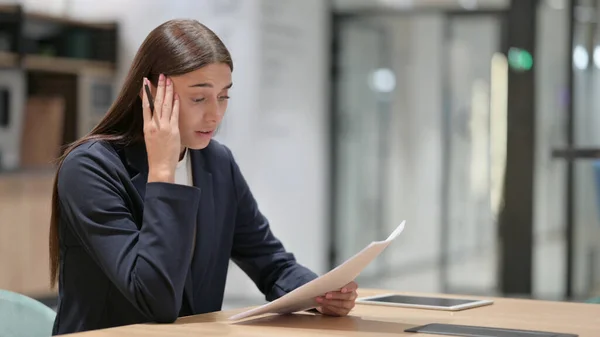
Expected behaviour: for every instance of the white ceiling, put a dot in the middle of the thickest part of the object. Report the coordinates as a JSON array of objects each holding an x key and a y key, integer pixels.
[{"x": 352, "y": 5}]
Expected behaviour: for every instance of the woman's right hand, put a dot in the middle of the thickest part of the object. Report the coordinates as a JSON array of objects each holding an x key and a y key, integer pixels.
[{"x": 161, "y": 131}]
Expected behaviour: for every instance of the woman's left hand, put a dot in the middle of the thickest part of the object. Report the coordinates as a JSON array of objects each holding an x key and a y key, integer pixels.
[{"x": 338, "y": 303}]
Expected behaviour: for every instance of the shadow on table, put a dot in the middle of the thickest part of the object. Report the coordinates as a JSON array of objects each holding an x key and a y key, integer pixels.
[{"x": 318, "y": 322}]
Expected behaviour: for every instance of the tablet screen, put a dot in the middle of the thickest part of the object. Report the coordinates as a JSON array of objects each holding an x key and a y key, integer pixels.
[{"x": 415, "y": 300}]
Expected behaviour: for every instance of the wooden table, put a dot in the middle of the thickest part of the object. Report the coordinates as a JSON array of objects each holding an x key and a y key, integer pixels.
[{"x": 365, "y": 320}]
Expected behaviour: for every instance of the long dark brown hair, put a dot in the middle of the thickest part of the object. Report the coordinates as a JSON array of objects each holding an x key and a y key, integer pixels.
[{"x": 174, "y": 48}]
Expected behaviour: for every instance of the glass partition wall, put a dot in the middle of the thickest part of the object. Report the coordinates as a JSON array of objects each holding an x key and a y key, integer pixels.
[
  {"x": 412, "y": 142},
  {"x": 581, "y": 154},
  {"x": 420, "y": 129}
]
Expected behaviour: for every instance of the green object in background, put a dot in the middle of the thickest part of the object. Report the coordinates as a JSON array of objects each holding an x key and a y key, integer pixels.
[
  {"x": 22, "y": 316},
  {"x": 520, "y": 59},
  {"x": 595, "y": 300}
]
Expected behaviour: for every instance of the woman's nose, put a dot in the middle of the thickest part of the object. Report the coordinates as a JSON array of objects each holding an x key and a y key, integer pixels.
[{"x": 212, "y": 111}]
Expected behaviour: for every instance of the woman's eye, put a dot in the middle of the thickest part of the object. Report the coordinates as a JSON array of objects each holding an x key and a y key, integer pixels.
[
  {"x": 222, "y": 98},
  {"x": 198, "y": 100}
]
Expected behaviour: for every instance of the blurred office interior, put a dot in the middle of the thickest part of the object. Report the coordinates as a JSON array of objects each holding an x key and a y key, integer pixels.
[{"x": 476, "y": 121}]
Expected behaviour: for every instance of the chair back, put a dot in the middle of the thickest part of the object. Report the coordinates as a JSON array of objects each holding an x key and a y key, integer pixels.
[{"x": 22, "y": 316}]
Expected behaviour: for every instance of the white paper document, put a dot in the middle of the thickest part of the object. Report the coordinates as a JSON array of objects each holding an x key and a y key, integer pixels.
[{"x": 304, "y": 297}]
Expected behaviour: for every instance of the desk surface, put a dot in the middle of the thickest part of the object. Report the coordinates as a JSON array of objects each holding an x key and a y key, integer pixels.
[{"x": 368, "y": 320}]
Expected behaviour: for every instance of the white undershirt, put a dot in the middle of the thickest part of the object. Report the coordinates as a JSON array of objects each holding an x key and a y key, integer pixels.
[
  {"x": 183, "y": 172},
  {"x": 183, "y": 176}
]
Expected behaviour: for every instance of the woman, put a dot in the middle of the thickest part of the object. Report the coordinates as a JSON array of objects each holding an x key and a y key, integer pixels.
[{"x": 147, "y": 209}]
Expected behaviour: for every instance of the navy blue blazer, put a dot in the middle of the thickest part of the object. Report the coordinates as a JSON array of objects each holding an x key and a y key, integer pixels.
[{"x": 126, "y": 245}]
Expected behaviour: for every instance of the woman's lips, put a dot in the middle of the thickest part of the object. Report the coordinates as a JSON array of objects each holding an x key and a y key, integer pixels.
[{"x": 205, "y": 133}]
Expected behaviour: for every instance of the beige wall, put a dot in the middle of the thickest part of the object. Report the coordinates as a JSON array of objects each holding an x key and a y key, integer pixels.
[{"x": 24, "y": 220}]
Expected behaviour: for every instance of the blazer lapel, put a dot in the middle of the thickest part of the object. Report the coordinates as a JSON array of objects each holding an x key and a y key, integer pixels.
[{"x": 206, "y": 218}]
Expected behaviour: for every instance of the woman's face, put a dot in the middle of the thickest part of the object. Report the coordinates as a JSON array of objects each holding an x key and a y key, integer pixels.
[{"x": 203, "y": 96}]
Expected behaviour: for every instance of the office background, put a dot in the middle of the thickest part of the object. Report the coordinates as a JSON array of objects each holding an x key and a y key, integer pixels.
[{"x": 474, "y": 120}]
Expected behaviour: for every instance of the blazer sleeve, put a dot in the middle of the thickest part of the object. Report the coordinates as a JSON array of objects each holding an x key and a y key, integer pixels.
[
  {"x": 257, "y": 251},
  {"x": 147, "y": 259}
]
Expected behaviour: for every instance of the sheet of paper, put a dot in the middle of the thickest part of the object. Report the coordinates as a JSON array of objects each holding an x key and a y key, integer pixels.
[{"x": 303, "y": 298}]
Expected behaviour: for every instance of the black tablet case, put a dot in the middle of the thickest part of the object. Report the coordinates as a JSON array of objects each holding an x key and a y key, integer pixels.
[{"x": 480, "y": 331}]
